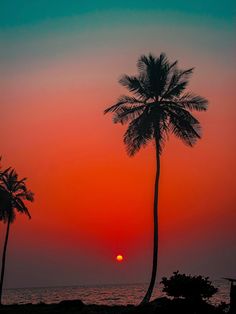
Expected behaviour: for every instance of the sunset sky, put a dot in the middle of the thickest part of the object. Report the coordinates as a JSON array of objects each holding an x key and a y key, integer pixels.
[{"x": 60, "y": 61}]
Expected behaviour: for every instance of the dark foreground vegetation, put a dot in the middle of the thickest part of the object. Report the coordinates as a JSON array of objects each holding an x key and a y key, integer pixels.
[
  {"x": 186, "y": 294},
  {"x": 160, "y": 306}
]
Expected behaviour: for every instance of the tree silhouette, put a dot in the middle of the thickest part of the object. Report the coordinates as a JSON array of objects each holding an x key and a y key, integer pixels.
[
  {"x": 13, "y": 193},
  {"x": 193, "y": 288},
  {"x": 158, "y": 106}
]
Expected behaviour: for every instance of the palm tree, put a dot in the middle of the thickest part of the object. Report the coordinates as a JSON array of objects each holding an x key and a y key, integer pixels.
[
  {"x": 158, "y": 106},
  {"x": 13, "y": 193}
]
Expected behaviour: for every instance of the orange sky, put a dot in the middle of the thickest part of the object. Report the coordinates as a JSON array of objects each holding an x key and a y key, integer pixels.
[{"x": 91, "y": 200}]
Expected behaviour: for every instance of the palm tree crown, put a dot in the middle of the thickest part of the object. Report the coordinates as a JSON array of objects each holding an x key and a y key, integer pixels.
[
  {"x": 159, "y": 104},
  {"x": 13, "y": 192}
]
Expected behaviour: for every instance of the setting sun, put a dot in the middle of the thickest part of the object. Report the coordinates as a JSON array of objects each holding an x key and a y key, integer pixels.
[{"x": 119, "y": 258}]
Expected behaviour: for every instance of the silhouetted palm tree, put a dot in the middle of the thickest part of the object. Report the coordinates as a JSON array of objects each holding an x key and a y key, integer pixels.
[
  {"x": 159, "y": 106},
  {"x": 13, "y": 193}
]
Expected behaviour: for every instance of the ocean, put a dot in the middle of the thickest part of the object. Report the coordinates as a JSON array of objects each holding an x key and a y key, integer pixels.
[{"x": 102, "y": 294}]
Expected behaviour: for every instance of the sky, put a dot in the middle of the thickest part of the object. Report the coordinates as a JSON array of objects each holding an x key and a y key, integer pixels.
[{"x": 60, "y": 63}]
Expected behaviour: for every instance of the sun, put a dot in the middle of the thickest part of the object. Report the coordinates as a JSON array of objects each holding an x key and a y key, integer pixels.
[{"x": 119, "y": 258}]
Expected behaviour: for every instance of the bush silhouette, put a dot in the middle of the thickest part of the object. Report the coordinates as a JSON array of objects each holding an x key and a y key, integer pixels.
[{"x": 193, "y": 288}]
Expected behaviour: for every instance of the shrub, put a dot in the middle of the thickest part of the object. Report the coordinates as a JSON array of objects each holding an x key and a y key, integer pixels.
[{"x": 189, "y": 287}]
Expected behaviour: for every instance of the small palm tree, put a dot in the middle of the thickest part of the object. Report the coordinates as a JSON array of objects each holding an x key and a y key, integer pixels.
[
  {"x": 159, "y": 106},
  {"x": 13, "y": 193}
]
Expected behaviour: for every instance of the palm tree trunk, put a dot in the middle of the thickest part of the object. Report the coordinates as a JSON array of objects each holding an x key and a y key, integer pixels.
[
  {"x": 155, "y": 227},
  {"x": 4, "y": 259}
]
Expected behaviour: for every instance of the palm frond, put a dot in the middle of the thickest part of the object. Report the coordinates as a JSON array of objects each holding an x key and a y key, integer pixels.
[
  {"x": 4, "y": 180},
  {"x": 6, "y": 210},
  {"x": 127, "y": 113},
  {"x": 155, "y": 71},
  {"x": 136, "y": 85},
  {"x": 29, "y": 196},
  {"x": 139, "y": 132},
  {"x": 184, "y": 126},
  {"x": 143, "y": 62},
  {"x": 26, "y": 195},
  {"x": 193, "y": 102},
  {"x": 5, "y": 199},
  {"x": 163, "y": 133},
  {"x": 124, "y": 99},
  {"x": 2, "y": 173},
  {"x": 149, "y": 61},
  {"x": 178, "y": 81},
  {"x": 20, "y": 206},
  {"x": 20, "y": 185}
]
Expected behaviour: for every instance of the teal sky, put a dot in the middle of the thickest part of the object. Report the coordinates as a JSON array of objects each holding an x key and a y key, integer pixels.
[{"x": 23, "y": 12}]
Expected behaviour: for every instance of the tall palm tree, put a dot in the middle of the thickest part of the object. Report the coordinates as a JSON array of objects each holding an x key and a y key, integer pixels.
[
  {"x": 158, "y": 106},
  {"x": 13, "y": 193}
]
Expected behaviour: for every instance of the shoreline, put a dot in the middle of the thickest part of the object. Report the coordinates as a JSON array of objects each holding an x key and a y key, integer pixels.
[{"x": 161, "y": 305}]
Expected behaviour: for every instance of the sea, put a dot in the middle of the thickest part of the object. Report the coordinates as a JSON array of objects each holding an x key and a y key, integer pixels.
[{"x": 101, "y": 294}]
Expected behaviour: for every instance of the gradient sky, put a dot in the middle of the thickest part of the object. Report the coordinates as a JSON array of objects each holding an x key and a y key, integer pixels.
[{"x": 60, "y": 62}]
